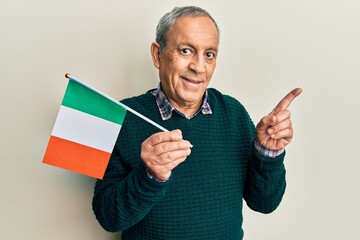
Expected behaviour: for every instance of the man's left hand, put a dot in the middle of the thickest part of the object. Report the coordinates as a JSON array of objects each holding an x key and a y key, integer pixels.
[{"x": 274, "y": 131}]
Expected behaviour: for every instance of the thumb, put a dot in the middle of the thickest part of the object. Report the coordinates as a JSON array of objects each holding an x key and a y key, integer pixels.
[{"x": 265, "y": 122}]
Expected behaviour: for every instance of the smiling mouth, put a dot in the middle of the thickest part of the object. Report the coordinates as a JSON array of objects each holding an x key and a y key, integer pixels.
[{"x": 191, "y": 80}]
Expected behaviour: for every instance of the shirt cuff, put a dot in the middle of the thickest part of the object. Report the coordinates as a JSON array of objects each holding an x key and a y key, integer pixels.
[
  {"x": 267, "y": 152},
  {"x": 152, "y": 177}
]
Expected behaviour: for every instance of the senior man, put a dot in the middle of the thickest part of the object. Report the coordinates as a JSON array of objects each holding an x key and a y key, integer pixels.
[{"x": 190, "y": 182}]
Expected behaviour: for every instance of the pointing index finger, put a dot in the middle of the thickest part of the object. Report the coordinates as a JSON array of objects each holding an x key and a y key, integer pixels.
[{"x": 286, "y": 101}]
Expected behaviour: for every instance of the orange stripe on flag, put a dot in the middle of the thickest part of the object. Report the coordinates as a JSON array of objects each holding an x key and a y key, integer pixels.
[{"x": 76, "y": 157}]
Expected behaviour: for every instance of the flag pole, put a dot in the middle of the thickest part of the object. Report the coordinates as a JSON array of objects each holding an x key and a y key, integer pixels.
[{"x": 67, "y": 75}]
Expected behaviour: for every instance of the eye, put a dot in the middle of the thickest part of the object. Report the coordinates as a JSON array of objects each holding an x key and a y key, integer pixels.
[
  {"x": 185, "y": 51},
  {"x": 210, "y": 55}
]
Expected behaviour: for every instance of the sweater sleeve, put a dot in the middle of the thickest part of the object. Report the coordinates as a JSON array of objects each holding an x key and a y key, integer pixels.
[
  {"x": 122, "y": 198},
  {"x": 265, "y": 184}
]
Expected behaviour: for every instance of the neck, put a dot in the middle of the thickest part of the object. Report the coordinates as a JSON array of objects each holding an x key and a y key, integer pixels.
[{"x": 187, "y": 109}]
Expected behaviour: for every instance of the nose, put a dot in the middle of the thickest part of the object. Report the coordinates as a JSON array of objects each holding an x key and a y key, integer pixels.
[{"x": 198, "y": 64}]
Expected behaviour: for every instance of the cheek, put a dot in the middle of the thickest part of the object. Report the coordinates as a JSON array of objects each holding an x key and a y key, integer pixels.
[{"x": 210, "y": 70}]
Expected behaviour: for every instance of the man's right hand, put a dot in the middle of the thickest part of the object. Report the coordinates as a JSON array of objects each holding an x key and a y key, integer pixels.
[{"x": 164, "y": 151}]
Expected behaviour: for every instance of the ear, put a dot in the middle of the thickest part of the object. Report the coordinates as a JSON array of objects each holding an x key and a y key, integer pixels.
[{"x": 155, "y": 54}]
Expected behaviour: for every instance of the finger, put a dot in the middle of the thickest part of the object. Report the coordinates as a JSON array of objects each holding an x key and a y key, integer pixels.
[
  {"x": 280, "y": 144},
  {"x": 160, "y": 137},
  {"x": 265, "y": 122},
  {"x": 272, "y": 120},
  {"x": 163, "y": 172},
  {"x": 279, "y": 127},
  {"x": 286, "y": 101},
  {"x": 285, "y": 134},
  {"x": 282, "y": 116},
  {"x": 173, "y": 156},
  {"x": 166, "y": 147}
]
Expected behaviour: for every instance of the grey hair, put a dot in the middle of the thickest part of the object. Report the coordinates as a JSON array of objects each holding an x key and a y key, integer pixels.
[{"x": 169, "y": 19}]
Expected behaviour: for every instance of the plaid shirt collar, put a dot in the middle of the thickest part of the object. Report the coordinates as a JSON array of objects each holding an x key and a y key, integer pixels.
[{"x": 166, "y": 108}]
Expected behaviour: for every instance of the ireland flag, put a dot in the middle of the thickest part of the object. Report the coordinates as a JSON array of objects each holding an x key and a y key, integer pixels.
[{"x": 85, "y": 131}]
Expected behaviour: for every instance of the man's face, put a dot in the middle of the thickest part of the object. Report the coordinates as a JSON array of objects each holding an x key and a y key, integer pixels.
[{"x": 188, "y": 62}]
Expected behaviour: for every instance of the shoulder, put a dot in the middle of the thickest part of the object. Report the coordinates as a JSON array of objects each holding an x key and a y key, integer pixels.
[
  {"x": 138, "y": 100},
  {"x": 218, "y": 99},
  {"x": 145, "y": 104},
  {"x": 133, "y": 125}
]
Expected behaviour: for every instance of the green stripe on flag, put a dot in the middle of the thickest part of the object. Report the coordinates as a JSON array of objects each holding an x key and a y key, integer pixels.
[{"x": 81, "y": 98}]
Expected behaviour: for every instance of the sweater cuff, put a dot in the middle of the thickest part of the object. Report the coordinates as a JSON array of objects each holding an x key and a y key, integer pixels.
[
  {"x": 265, "y": 163},
  {"x": 146, "y": 186}
]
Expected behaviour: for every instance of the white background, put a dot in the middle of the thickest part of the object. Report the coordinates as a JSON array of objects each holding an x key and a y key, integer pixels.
[{"x": 267, "y": 48}]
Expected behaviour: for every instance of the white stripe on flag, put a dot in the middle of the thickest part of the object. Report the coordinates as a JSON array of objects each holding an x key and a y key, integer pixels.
[{"x": 85, "y": 129}]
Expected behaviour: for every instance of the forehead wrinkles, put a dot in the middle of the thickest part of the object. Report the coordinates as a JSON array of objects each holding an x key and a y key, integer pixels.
[{"x": 198, "y": 31}]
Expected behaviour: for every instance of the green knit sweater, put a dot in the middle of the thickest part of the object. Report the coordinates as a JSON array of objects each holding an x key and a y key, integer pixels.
[{"x": 203, "y": 199}]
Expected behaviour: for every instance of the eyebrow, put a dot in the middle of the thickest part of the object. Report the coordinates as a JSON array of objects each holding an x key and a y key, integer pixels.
[{"x": 192, "y": 46}]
